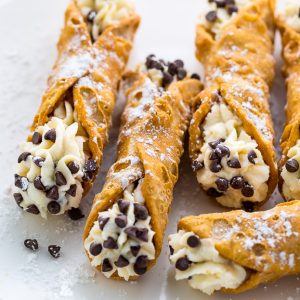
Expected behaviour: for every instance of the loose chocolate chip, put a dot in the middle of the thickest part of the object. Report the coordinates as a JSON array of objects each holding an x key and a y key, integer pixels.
[
  {"x": 90, "y": 165},
  {"x": 18, "y": 198},
  {"x": 292, "y": 165},
  {"x": 52, "y": 193},
  {"x": 106, "y": 265},
  {"x": 21, "y": 182},
  {"x": 72, "y": 190},
  {"x": 121, "y": 221},
  {"x": 197, "y": 165},
  {"x": 91, "y": 16},
  {"x": 237, "y": 182},
  {"x": 73, "y": 167},
  {"x": 131, "y": 231},
  {"x": 102, "y": 222},
  {"x": 181, "y": 73},
  {"x": 123, "y": 206},
  {"x": 195, "y": 76},
  {"x": 135, "y": 250},
  {"x": 36, "y": 138},
  {"x": 231, "y": 9},
  {"x": 182, "y": 264},
  {"x": 75, "y": 214},
  {"x": 222, "y": 151},
  {"x": 31, "y": 244},
  {"x": 234, "y": 163},
  {"x": 122, "y": 262},
  {"x": 193, "y": 241},
  {"x": 211, "y": 16},
  {"x": 167, "y": 79},
  {"x": 214, "y": 144},
  {"x": 53, "y": 207},
  {"x": 140, "y": 266},
  {"x": 95, "y": 249},
  {"x": 220, "y": 3},
  {"x": 222, "y": 184},
  {"x": 251, "y": 156},
  {"x": 215, "y": 166},
  {"x": 140, "y": 211},
  {"x": 172, "y": 69},
  {"x": 247, "y": 190},
  {"x": 32, "y": 209},
  {"x": 171, "y": 250},
  {"x": 142, "y": 234},
  {"x": 54, "y": 250},
  {"x": 23, "y": 156},
  {"x": 50, "y": 135},
  {"x": 212, "y": 192},
  {"x": 248, "y": 206},
  {"x": 60, "y": 179},
  {"x": 110, "y": 243},
  {"x": 38, "y": 161},
  {"x": 38, "y": 183},
  {"x": 179, "y": 63}
]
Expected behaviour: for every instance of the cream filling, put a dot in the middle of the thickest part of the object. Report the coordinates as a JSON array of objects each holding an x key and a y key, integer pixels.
[
  {"x": 290, "y": 13},
  {"x": 67, "y": 147},
  {"x": 124, "y": 242},
  {"x": 208, "y": 271},
  {"x": 222, "y": 123},
  {"x": 107, "y": 13}
]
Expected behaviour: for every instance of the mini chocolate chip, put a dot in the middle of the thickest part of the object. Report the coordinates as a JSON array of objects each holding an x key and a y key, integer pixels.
[
  {"x": 60, "y": 179},
  {"x": 234, "y": 163},
  {"x": 222, "y": 151},
  {"x": 21, "y": 182},
  {"x": 102, "y": 222},
  {"x": 121, "y": 221},
  {"x": 211, "y": 16},
  {"x": 36, "y": 138},
  {"x": 212, "y": 192},
  {"x": 72, "y": 190},
  {"x": 38, "y": 161},
  {"x": 53, "y": 207},
  {"x": 193, "y": 241},
  {"x": 91, "y": 16},
  {"x": 251, "y": 156},
  {"x": 23, "y": 156},
  {"x": 54, "y": 250},
  {"x": 52, "y": 193},
  {"x": 248, "y": 206},
  {"x": 157, "y": 65},
  {"x": 222, "y": 184},
  {"x": 181, "y": 73},
  {"x": 106, "y": 265},
  {"x": 197, "y": 165},
  {"x": 123, "y": 206},
  {"x": 142, "y": 234},
  {"x": 179, "y": 63},
  {"x": 90, "y": 165},
  {"x": 190, "y": 277},
  {"x": 231, "y": 9},
  {"x": 110, "y": 243},
  {"x": 73, "y": 167},
  {"x": 213, "y": 155},
  {"x": 95, "y": 249},
  {"x": 75, "y": 214},
  {"x": 140, "y": 211},
  {"x": 171, "y": 250},
  {"x": 215, "y": 166},
  {"x": 135, "y": 250},
  {"x": 195, "y": 76},
  {"x": 167, "y": 79},
  {"x": 31, "y": 244},
  {"x": 220, "y": 3},
  {"x": 18, "y": 198},
  {"x": 38, "y": 183},
  {"x": 50, "y": 135},
  {"x": 32, "y": 209},
  {"x": 87, "y": 176},
  {"x": 292, "y": 165},
  {"x": 214, "y": 144},
  {"x": 122, "y": 262},
  {"x": 131, "y": 231},
  {"x": 140, "y": 266},
  {"x": 247, "y": 190},
  {"x": 182, "y": 264},
  {"x": 172, "y": 69},
  {"x": 237, "y": 182}
]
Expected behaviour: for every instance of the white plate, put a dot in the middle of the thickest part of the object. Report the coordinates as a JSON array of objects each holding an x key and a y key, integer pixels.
[{"x": 29, "y": 31}]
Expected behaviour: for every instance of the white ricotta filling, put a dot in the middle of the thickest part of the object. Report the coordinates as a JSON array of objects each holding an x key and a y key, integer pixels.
[{"x": 290, "y": 12}]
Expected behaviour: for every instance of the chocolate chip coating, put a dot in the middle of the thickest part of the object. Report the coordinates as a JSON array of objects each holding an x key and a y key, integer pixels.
[
  {"x": 106, "y": 265},
  {"x": 95, "y": 249},
  {"x": 60, "y": 179},
  {"x": 18, "y": 198},
  {"x": 234, "y": 163},
  {"x": 122, "y": 262},
  {"x": 251, "y": 156},
  {"x": 36, "y": 138},
  {"x": 247, "y": 190},
  {"x": 75, "y": 214},
  {"x": 21, "y": 182},
  {"x": 54, "y": 251},
  {"x": 38, "y": 184},
  {"x": 121, "y": 221},
  {"x": 135, "y": 250},
  {"x": 193, "y": 241},
  {"x": 23, "y": 156},
  {"x": 52, "y": 193},
  {"x": 182, "y": 264},
  {"x": 123, "y": 206},
  {"x": 53, "y": 207},
  {"x": 73, "y": 166},
  {"x": 215, "y": 166},
  {"x": 140, "y": 266},
  {"x": 211, "y": 16},
  {"x": 50, "y": 135},
  {"x": 33, "y": 209},
  {"x": 110, "y": 243},
  {"x": 212, "y": 192},
  {"x": 31, "y": 244},
  {"x": 222, "y": 184},
  {"x": 292, "y": 165},
  {"x": 72, "y": 190},
  {"x": 237, "y": 182},
  {"x": 102, "y": 222},
  {"x": 38, "y": 161},
  {"x": 140, "y": 211}
]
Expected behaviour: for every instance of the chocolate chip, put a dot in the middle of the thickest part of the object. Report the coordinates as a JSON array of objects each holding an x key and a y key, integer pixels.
[
  {"x": 38, "y": 183},
  {"x": 172, "y": 69},
  {"x": 90, "y": 165},
  {"x": 75, "y": 214},
  {"x": 212, "y": 192},
  {"x": 179, "y": 63},
  {"x": 220, "y": 3},
  {"x": 122, "y": 262},
  {"x": 131, "y": 231},
  {"x": 237, "y": 182},
  {"x": 142, "y": 234},
  {"x": 31, "y": 244},
  {"x": 54, "y": 250},
  {"x": 193, "y": 241},
  {"x": 53, "y": 207},
  {"x": 181, "y": 73},
  {"x": 248, "y": 206},
  {"x": 36, "y": 138},
  {"x": 222, "y": 151},
  {"x": 121, "y": 221},
  {"x": 106, "y": 265},
  {"x": 222, "y": 184},
  {"x": 215, "y": 166},
  {"x": 87, "y": 176},
  {"x": 140, "y": 211},
  {"x": 23, "y": 156},
  {"x": 157, "y": 65},
  {"x": 18, "y": 198},
  {"x": 196, "y": 76},
  {"x": 38, "y": 161},
  {"x": 197, "y": 165},
  {"x": 135, "y": 250},
  {"x": 213, "y": 155},
  {"x": 211, "y": 16},
  {"x": 110, "y": 243},
  {"x": 21, "y": 182},
  {"x": 231, "y": 9},
  {"x": 171, "y": 250},
  {"x": 60, "y": 179},
  {"x": 140, "y": 266},
  {"x": 149, "y": 60},
  {"x": 292, "y": 165},
  {"x": 32, "y": 209},
  {"x": 102, "y": 222},
  {"x": 251, "y": 156},
  {"x": 72, "y": 190},
  {"x": 167, "y": 79},
  {"x": 50, "y": 135},
  {"x": 52, "y": 193},
  {"x": 123, "y": 206},
  {"x": 234, "y": 163},
  {"x": 214, "y": 144},
  {"x": 182, "y": 264},
  {"x": 91, "y": 16},
  {"x": 95, "y": 249},
  {"x": 247, "y": 190},
  {"x": 73, "y": 167}
]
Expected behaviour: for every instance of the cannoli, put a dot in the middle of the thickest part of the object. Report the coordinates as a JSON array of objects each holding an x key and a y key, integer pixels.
[
  {"x": 289, "y": 25},
  {"x": 236, "y": 251},
  {"x": 231, "y": 132},
  {"x": 59, "y": 162},
  {"x": 124, "y": 232}
]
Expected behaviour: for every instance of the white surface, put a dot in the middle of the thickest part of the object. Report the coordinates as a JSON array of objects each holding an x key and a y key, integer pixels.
[{"x": 29, "y": 31}]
